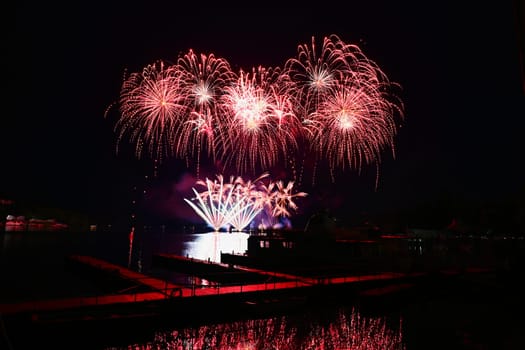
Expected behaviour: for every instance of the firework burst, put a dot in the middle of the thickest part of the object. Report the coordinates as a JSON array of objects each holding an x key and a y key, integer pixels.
[
  {"x": 261, "y": 120},
  {"x": 349, "y": 104},
  {"x": 238, "y": 202},
  {"x": 358, "y": 125},
  {"x": 202, "y": 78},
  {"x": 329, "y": 104},
  {"x": 151, "y": 107},
  {"x": 214, "y": 205}
]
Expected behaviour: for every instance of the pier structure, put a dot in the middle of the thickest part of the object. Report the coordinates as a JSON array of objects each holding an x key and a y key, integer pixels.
[{"x": 156, "y": 293}]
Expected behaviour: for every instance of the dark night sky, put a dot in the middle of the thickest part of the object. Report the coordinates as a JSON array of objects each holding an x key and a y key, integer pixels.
[{"x": 459, "y": 67}]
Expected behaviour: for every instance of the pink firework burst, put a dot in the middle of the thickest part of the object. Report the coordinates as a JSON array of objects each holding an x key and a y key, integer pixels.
[
  {"x": 150, "y": 107},
  {"x": 317, "y": 73},
  {"x": 350, "y": 106},
  {"x": 283, "y": 199},
  {"x": 358, "y": 125},
  {"x": 261, "y": 120},
  {"x": 329, "y": 104},
  {"x": 239, "y": 202},
  {"x": 202, "y": 78}
]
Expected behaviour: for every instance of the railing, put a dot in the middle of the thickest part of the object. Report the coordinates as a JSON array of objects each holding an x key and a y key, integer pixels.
[{"x": 182, "y": 291}]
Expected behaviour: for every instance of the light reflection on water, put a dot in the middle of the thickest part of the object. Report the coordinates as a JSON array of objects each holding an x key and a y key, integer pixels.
[
  {"x": 344, "y": 330},
  {"x": 39, "y": 258},
  {"x": 210, "y": 245},
  {"x": 202, "y": 246}
]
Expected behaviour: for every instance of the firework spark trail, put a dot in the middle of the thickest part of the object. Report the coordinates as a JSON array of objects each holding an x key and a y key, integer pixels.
[
  {"x": 244, "y": 215},
  {"x": 214, "y": 204},
  {"x": 283, "y": 199}
]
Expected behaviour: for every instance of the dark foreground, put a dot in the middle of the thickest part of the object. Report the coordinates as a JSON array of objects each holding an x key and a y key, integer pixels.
[
  {"x": 463, "y": 310},
  {"x": 466, "y": 311}
]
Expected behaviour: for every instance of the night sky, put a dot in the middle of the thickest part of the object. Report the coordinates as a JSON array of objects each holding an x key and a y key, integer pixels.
[{"x": 459, "y": 68}]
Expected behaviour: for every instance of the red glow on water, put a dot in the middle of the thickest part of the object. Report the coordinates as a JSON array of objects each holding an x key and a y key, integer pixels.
[
  {"x": 395, "y": 236},
  {"x": 344, "y": 331}
]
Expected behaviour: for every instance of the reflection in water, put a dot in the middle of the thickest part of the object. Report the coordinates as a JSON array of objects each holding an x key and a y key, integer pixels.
[
  {"x": 210, "y": 245},
  {"x": 14, "y": 227},
  {"x": 347, "y": 330},
  {"x": 130, "y": 238}
]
